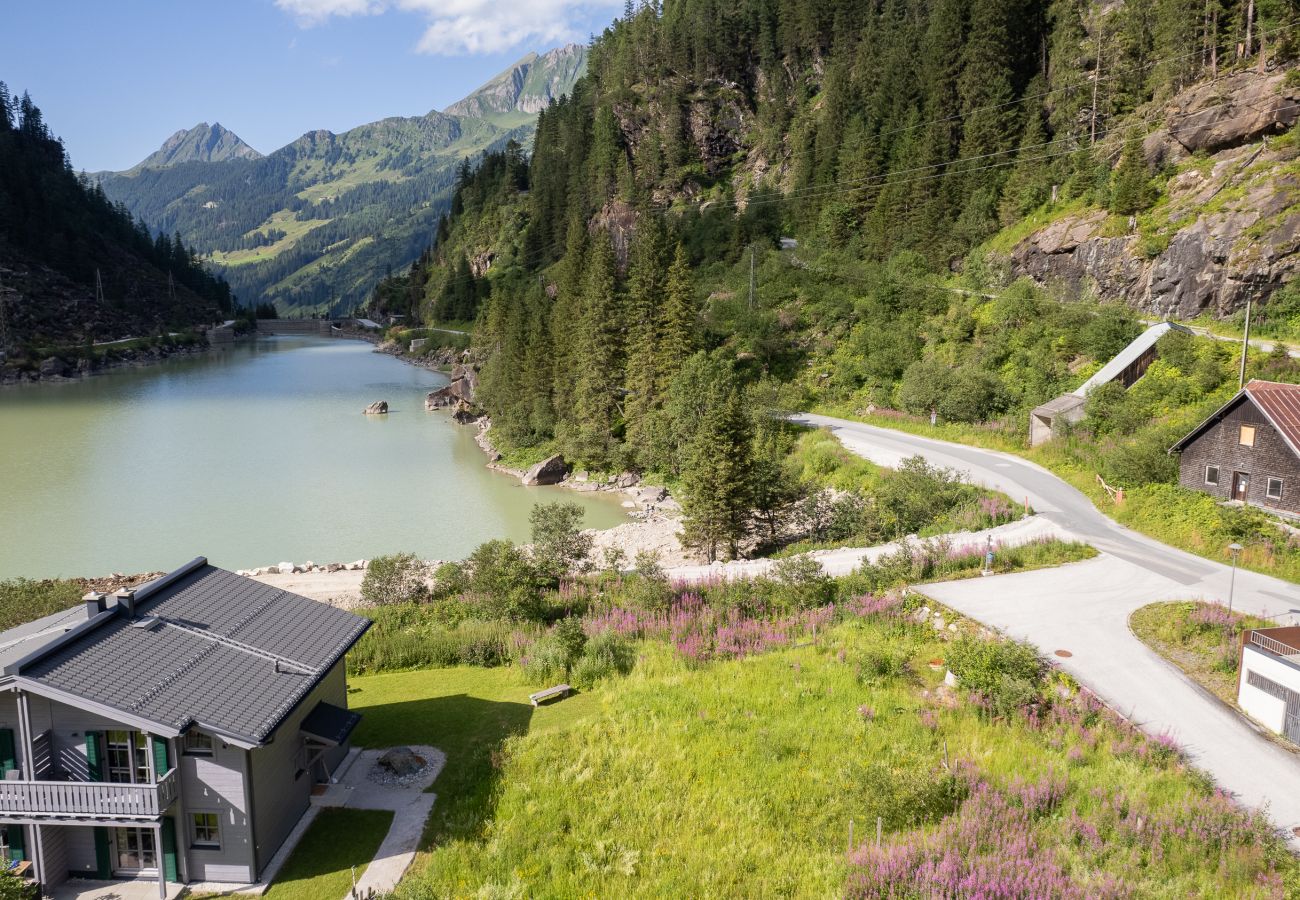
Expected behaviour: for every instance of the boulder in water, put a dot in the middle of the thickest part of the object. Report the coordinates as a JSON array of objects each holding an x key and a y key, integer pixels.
[
  {"x": 549, "y": 471},
  {"x": 378, "y": 408}
]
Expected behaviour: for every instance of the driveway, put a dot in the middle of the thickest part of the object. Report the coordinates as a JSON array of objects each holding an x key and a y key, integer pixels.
[{"x": 1084, "y": 609}]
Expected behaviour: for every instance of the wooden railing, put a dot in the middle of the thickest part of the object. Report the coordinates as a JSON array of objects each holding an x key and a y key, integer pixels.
[
  {"x": 1276, "y": 647},
  {"x": 87, "y": 798}
]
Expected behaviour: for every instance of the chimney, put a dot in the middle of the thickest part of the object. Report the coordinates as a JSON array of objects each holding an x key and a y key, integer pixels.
[
  {"x": 94, "y": 603},
  {"x": 126, "y": 598}
]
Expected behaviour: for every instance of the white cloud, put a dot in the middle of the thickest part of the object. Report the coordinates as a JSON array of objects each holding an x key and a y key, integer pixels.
[{"x": 457, "y": 27}]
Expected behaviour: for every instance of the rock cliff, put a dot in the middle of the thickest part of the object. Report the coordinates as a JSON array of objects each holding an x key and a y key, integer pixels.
[{"x": 1227, "y": 226}]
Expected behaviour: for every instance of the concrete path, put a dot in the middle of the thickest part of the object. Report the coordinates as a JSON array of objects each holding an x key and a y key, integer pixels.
[
  {"x": 845, "y": 561},
  {"x": 411, "y": 805},
  {"x": 1084, "y": 608}
]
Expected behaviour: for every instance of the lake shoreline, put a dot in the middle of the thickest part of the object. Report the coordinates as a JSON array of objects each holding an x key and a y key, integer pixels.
[{"x": 82, "y": 369}]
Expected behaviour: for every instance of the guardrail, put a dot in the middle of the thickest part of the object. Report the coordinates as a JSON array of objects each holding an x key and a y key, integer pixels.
[
  {"x": 1276, "y": 647},
  {"x": 87, "y": 798}
]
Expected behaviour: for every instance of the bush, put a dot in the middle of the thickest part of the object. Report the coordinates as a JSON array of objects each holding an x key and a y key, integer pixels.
[
  {"x": 504, "y": 583},
  {"x": 559, "y": 545},
  {"x": 805, "y": 582},
  {"x": 1007, "y": 673},
  {"x": 394, "y": 579},
  {"x": 604, "y": 656},
  {"x": 22, "y": 600}
]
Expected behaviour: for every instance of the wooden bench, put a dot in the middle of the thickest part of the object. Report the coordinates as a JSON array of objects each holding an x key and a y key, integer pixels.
[{"x": 560, "y": 690}]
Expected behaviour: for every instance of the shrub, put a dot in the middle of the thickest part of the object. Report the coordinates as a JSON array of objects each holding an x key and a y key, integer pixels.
[
  {"x": 546, "y": 660},
  {"x": 1007, "y": 673},
  {"x": 805, "y": 582},
  {"x": 559, "y": 545},
  {"x": 398, "y": 578},
  {"x": 504, "y": 583},
  {"x": 22, "y": 600},
  {"x": 606, "y": 655},
  {"x": 568, "y": 634}
]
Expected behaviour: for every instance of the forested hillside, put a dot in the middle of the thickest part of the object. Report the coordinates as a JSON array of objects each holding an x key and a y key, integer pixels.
[
  {"x": 636, "y": 307},
  {"x": 313, "y": 225},
  {"x": 59, "y": 234}
]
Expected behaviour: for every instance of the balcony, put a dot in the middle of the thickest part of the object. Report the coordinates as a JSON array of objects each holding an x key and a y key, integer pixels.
[
  {"x": 1272, "y": 645},
  {"x": 48, "y": 801}
]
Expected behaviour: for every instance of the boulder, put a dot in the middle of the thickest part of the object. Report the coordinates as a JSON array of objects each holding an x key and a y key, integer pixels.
[
  {"x": 53, "y": 366},
  {"x": 464, "y": 414},
  {"x": 549, "y": 471},
  {"x": 286, "y": 568},
  {"x": 461, "y": 389},
  {"x": 401, "y": 761},
  {"x": 378, "y": 408},
  {"x": 627, "y": 480},
  {"x": 335, "y": 567}
]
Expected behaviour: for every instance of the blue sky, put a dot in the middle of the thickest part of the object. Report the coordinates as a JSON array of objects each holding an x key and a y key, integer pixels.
[{"x": 116, "y": 77}]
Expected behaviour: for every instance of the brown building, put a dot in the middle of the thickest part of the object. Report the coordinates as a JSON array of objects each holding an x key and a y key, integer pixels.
[{"x": 1249, "y": 450}]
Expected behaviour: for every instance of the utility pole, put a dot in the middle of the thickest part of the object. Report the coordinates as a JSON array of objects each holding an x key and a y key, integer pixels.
[
  {"x": 99, "y": 288},
  {"x": 1245, "y": 344},
  {"x": 752, "y": 277}
]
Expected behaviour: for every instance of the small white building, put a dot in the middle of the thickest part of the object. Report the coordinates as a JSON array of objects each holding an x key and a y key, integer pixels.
[{"x": 1269, "y": 689}]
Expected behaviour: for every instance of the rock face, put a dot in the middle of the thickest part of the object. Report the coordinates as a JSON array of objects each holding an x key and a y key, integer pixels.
[
  {"x": 463, "y": 386},
  {"x": 400, "y": 761},
  {"x": 549, "y": 471},
  {"x": 378, "y": 408},
  {"x": 1230, "y": 228}
]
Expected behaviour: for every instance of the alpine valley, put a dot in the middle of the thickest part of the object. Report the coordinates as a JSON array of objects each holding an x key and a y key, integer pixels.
[{"x": 312, "y": 226}]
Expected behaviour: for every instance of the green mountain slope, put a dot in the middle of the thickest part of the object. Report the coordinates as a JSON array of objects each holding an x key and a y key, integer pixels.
[
  {"x": 74, "y": 269},
  {"x": 517, "y": 95},
  {"x": 312, "y": 226}
]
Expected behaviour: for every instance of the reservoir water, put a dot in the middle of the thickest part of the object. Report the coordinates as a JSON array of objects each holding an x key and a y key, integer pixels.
[{"x": 248, "y": 456}]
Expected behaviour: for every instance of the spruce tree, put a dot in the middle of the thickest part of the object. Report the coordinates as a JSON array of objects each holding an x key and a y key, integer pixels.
[
  {"x": 589, "y": 435},
  {"x": 716, "y": 498},
  {"x": 1130, "y": 186},
  {"x": 645, "y": 295}
]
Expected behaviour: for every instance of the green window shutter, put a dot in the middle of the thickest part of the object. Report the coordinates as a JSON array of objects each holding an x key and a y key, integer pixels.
[
  {"x": 103, "y": 858},
  {"x": 17, "y": 848},
  {"x": 160, "y": 765},
  {"x": 93, "y": 763},
  {"x": 170, "y": 870},
  {"x": 8, "y": 758}
]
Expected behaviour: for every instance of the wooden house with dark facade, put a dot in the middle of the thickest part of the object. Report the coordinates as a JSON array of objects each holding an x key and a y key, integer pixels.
[{"x": 1249, "y": 450}]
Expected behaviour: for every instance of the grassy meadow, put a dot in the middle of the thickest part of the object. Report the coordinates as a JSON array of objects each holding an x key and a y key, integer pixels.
[{"x": 744, "y": 775}]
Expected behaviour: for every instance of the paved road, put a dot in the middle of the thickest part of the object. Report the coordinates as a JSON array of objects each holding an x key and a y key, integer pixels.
[{"x": 1084, "y": 609}]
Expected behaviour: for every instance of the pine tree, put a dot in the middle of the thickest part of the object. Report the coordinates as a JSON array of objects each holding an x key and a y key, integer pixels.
[
  {"x": 589, "y": 432},
  {"x": 1130, "y": 186},
  {"x": 677, "y": 339},
  {"x": 716, "y": 498},
  {"x": 645, "y": 293}
]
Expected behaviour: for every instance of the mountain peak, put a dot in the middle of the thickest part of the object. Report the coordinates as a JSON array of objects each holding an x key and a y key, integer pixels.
[
  {"x": 202, "y": 143},
  {"x": 524, "y": 89}
]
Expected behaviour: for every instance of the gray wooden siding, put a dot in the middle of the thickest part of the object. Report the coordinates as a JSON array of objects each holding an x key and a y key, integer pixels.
[
  {"x": 54, "y": 839},
  {"x": 80, "y": 844},
  {"x": 280, "y": 798},
  {"x": 216, "y": 784},
  {"x": 1269, "y": 457}
]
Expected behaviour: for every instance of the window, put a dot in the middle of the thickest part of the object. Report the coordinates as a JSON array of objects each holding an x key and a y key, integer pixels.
[
  {"x": 207, "y": 830},
  {"x": 197, "y": 743},
  {"x": 1211, "y": 474},
  {"x": 1274, "y": 491},
  {"x": 1246, "y": 436}
]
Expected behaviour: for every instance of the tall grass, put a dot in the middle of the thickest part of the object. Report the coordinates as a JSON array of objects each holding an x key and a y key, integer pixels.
[{"x": 746, "y": 777}]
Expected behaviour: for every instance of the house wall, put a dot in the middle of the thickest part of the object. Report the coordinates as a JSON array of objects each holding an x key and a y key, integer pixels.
[
  {"x": 216, "y": 784},
  {"x": 54, "y": 840},
  {"x": 281, "y": 793},
  {"x": 1270, "y": 457},
  {"x": 1264, "y": 708}
]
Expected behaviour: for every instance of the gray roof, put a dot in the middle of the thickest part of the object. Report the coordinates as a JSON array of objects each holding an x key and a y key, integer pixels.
[
  {"x": 25, "y": 639},
  {"x": 331, "y": 724},
  {"x": 1129, "y": 355},
  {"x": 207, "y": 647}
]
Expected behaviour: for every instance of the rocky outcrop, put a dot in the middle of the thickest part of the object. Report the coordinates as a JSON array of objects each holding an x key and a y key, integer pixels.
[
  {"x": 462, "y": 389},
  {"x": 378, "y": 408},
  {"x": 1229, "y": 228},
  {"x": 549, "y": 471},
  {"x": 1224, "y": 113},
  {"x": 400, "y": 761}
]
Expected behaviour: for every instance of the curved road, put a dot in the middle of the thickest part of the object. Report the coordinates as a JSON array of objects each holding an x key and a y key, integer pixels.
[{"x": 1083, "y": 610}]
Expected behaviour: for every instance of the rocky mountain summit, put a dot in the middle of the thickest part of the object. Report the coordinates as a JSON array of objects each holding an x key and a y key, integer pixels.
[
  {"x": 527, "y": 87},
  {"x": 1227, "y": 226},
  {"x": 202, "y": 143}
]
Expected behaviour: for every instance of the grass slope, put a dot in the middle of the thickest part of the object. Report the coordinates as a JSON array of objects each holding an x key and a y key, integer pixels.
[
  {"x": 320, "y": 867},
  {"x": 741, "y": 778}
]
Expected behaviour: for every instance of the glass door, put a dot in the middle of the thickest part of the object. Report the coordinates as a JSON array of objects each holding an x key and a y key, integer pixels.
[
  {"x": 135, "y": 851},
  {"x": 127, "y": 756}
]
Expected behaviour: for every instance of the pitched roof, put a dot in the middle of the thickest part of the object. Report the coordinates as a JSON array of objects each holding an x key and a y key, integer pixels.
[
  {"x": 205, "y": 647},
  {"x": 329, "y": 723},
  {"x": 1279, "y": 402},
  {"x": 1129, "y": 355}
]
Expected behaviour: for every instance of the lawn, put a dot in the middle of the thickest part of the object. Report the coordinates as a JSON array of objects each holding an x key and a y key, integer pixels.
[
  {"x": 1202, "y": 639},
  {"x": 745, "y": 778},
  {"x": 320, "y": 867}
]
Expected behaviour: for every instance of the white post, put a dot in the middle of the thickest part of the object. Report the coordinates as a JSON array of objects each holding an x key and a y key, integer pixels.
[{"x": 161, "y": 860}]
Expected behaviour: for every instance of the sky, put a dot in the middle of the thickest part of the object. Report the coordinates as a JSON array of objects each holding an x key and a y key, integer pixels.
[{"x": 115, "y": 78}]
